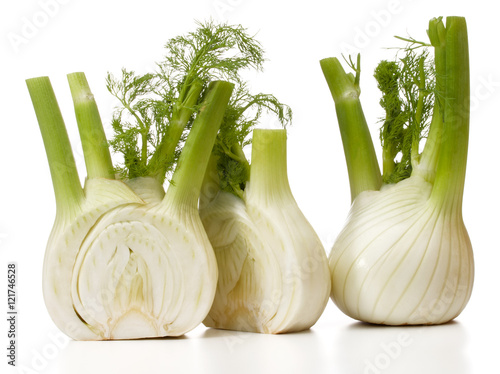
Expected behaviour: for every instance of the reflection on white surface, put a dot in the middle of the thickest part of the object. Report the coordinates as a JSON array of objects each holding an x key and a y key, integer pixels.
[
  {"x": 258, "y": 353},
  {"x": 330, "y": 348},
  {"x": 137, "y": 356},
  {"x": 370, "y": 349},
  {"x": 208, "y": 351}
]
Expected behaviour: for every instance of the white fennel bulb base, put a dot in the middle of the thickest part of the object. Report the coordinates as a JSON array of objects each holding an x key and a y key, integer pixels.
[
  {"x": 273, "y": 269},
  {"x": 402, "y": 258}
]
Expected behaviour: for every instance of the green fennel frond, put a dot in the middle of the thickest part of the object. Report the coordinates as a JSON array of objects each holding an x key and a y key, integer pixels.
[
  {"x": 356, "y": 67},
  {"x": 412, "y": 43},
  {"x": 408, "y": 91},
  {"x": 156, "y": 110},
  {"x": 132, "y": 121},
  {"x": 213, "y": 51}
]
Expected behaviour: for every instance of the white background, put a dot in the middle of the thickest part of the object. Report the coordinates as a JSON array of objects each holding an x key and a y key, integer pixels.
[{"x": 96, "y": 36}]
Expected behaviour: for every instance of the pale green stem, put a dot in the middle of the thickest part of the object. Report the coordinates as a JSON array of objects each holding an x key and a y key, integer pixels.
[
  {"x": 450, "y": 172},
  {"x": 361, "y": 159},
  {"x": 94, "y": 142},
  {"x": 190, "y": 171},
  {"x": 430, "y": 155},
  {"x": 164, "y": 154},
  {"x": 268, "y": 169},
  {"x": 67, "y": 188}
]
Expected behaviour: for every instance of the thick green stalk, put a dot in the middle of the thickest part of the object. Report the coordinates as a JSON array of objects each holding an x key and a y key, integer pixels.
[
  {"x": 268, "y": 170},
  {"x": 430, "y": 154},
  {"x": 164, "y": 154},
  {"x": 361, "y": 159},
  {"x": 67, "y": 188},
  {"x": 450, "y": 172},
  {"x": 190, "y": 171},
  {"x": 94, "y": 142}
]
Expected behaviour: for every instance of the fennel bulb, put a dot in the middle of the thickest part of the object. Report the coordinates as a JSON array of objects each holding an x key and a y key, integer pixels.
[
  {"x": 273, "y": 270},
  {"x": 119, "y": 264},
  {"x": 404, "y": 255},
  {"x": 125, "y": 259}
]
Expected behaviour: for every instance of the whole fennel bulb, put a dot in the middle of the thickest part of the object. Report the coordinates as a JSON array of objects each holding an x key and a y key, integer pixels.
[{"x": 404, "y": 255}]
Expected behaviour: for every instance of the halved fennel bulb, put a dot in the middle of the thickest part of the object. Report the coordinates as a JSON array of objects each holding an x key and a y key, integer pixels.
[
  {"x": 123, "y": 268},
  {"x": 273, "y": 270},
  {"x": 125, "y": 260},
  {"x": 404, "y": 255}
]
